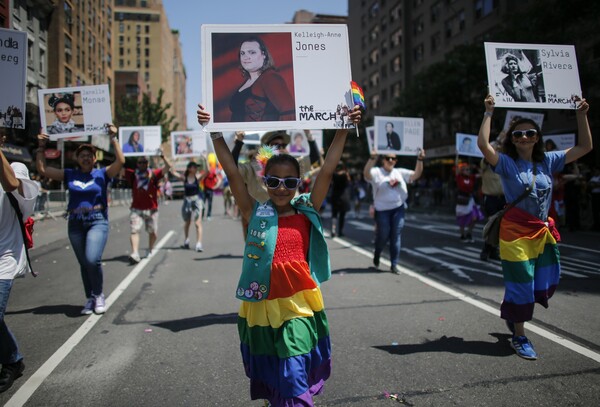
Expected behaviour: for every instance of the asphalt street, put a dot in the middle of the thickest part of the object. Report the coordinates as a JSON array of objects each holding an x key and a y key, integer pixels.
[{"x": 431, "y": 335}]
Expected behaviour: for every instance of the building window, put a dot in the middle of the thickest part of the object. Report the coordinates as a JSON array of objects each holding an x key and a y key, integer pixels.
[
  {"x": 147, "y": 29},
  {"x": 375, "y": 101},
  {"x": 147, "y": 41},
  {"x": 374, "y": 79},
  {"x": 42, "y": 62},
  {"x": 121, "y": 40},
  {"x": 146, "y": 76},
  {"x": 384, "y": 71},
  {"x": 461, "y": 20},
  {"x": 30, "y": 53},
  {"x": 396, "y": 89},
  {"x": 121, "y": 51},
  {"x": 121, "y": 63},
  {"x": 418, "y": 53},
  {"x": 396, "y": 13},
  {"x": 374, "y": 33},
  {"x": 374, "y": 9},
  {"x": 384, "y": 47},
  {"x": 435, "y": 11},
  {"x": 68, "y": 77},
  {"x": 436, "y": 41},
  {"x": 147, "y": 64},
  {"x": 396, "y": 38},
  {"x": 374, "y": 56},
  {"x": 396, "y": 64},
  {"x": 147, "y": 52},
  {"x": 485, "y": 7},
  {"x": 418, "y": 25},
  {"x": 364, "y": 63}
]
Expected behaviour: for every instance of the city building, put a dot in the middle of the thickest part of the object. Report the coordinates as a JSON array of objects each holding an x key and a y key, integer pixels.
[{"x": 146, "y": 44}]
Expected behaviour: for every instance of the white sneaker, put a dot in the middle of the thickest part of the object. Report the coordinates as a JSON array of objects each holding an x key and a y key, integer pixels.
[
  {"x": 199, "y": 247},
  {"x": 88, "y": 308},
  {"x": 150, "y": 253},
  {"x": 135, "y": 257},
  {"x": 100, "y": 305}
]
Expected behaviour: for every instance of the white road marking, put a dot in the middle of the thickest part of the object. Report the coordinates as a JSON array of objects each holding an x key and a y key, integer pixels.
[
  {"x": 26, "y": 391},
  {"x": 494, "y": 311}
]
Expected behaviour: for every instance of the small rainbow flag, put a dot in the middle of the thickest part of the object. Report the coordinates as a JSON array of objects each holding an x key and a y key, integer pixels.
[{"x": 358, "y": 95}]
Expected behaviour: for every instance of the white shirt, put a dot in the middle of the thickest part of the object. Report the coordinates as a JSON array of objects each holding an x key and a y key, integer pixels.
[
  {"x": 13, "y": 259},
  {"x": 389, "y": 188}
]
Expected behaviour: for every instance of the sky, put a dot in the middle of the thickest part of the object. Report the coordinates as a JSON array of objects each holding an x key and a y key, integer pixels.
[{"x": 187, "y": 16}]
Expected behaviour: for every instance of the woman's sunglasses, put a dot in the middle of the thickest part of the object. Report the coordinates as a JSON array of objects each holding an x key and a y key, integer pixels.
[
  {"x": 275, "y": 182},
  {"x": 527, "y": 133},
  {"x": 390, "y": 159}
]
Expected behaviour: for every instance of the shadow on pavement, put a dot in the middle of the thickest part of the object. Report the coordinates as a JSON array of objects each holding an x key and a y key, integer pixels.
[
  {"x": 122, "y": 259},
  {"x": 454, "y": 344},
  {"x": 362, "y": 270},
  {"x": 184, "y": 324},
  {"x": 71, "y": 311},
  {"x": 220, "y": 256}
]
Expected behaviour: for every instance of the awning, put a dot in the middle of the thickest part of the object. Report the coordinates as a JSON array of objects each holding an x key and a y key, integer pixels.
[{"x": 16, "y": 153}]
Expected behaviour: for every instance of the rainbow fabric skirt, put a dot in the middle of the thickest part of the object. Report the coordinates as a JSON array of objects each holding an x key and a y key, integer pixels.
[
  {"x": 286, "y": 348},
  {"x": 530, "y": 263}
]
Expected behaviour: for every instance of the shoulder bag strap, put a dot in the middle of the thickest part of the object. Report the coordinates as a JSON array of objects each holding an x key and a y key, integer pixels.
[{"x": 15, "y": 204}]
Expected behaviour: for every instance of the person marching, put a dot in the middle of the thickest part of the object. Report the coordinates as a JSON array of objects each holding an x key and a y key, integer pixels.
[
  {"x": 87, "y": 212},
  {"x": 144, "y": 204},
  {"x": 283, "y": 328},
  {"x": 192, "y": 203},
  {"x": 528, "y": 237}
]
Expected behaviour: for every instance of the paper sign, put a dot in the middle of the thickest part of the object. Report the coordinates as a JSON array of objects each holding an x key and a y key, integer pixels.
[
  {"x": 139, "y": 141},
  {"x": 556, "y": 142},
  {"x": 538, "y": 118},
  {"x": 13, "y": 78},
  {"x": 398, "y": 135},
  {"x": 188, "y": 143},
  {"x": 466, "y": 144},
  {"x": 276, "y": 77},
  {"x": 75, "y": 111},
  {"x": 532, "y": 75}
]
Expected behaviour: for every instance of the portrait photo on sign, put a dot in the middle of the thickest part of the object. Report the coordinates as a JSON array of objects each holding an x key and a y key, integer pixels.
[
  {"x": 398, "y": 135},
  {"x": 256, "y": 77},
  {"x": 532, "y": 75},
  {"x": 75, "y": 111},
  {"x": 140, "y": 141},
  {"x": 275, "y": 76},
  {"x": 466, "y": 144},
  {"x": 188, "y": 143},
  {"x": 64, "y": 113},
  {"x": 298, "y": 143}
]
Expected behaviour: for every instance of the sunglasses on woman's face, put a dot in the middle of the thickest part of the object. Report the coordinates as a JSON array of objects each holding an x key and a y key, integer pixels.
[
  {"x": 391, "y": 159},
  {"x": 279, "y": 146},
  {"x": 527, "y": 133},
  {"x": 275, "y": 182}
]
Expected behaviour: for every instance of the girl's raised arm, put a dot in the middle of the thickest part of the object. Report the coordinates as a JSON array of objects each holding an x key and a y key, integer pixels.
[{"x": 238, "y": 187}]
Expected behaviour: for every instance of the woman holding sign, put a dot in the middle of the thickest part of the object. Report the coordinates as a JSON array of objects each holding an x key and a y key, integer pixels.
[
  {"x": 528, "y": 237},
  {"x": 87, "y": 212},
  {"x": 264, "y": 95}
]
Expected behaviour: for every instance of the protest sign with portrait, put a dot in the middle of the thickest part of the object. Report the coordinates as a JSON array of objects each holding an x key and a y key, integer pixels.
[
  {"x": 532, "y": 75},
  {"x": 13, "y": 78},
  {"x": 511, "y": 115},
  {"x": 556, "y": 142},
  {"x": 75, "y": 111},
  {"x": 139, "y": 141},
  {"x": 398, "y": 135},
  {"x": 276, "y": 77},
  {"x": 188, "y": 143},
  {"x": 466, "y": 144}
]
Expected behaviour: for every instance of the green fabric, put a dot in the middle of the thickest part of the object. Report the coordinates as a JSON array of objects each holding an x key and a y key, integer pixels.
[
  {"x": 524, "y": 271},
  {"x": 295, "y": 337},
  {"x": 255, "y": 280}
]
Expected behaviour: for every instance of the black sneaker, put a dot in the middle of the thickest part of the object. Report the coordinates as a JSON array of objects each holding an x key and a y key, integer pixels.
[
  {"x": 395, "y": 269},
  {"x": 9, "y": 373},
  {"x": 376, "y": 262}
]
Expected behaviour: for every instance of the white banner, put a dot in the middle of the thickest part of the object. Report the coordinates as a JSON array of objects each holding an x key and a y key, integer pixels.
[
  {"x": 538, "y": 118},
  {"x": 532, "y": 75},
  {"x": 398, "y": 135},
  {"x": 139, "y": 141},
  {"x": 276, "y": 77},
  {"x": 466, "y": 144},
  {"x": 188, "y": 143},
  {"x": 75, "y": 111},
  {"x": 13, "y": 78}
]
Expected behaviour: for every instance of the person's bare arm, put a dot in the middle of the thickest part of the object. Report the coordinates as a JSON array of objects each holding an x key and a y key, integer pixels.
[
  {"x": 418, "y": 166},
  {"x": 483, "y": 139},
  {"x": 584, "y": 136},
  {"x": 115, "y": 168}
]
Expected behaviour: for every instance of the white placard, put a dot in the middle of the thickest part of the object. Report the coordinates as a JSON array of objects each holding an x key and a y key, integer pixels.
[
  {"x": 188, "y": 143},
  {"x": 308, "y": 87},
  {"x": 466, "y": 144},
  {"x": 13, "y": 78},
  {"x": 75, "y": 111},
  {"x": 398, "y": 135},
  {"x": 532, "y": 75},
  {"x": 538, "y": 118},
  {"x": 555, "y": 142},
  {"x": 139, "y": 141}
]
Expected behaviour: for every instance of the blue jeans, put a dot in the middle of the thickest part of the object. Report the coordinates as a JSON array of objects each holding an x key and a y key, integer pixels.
[
  {"x": 9, "y": 350},
  {"x": 389, "y": 228},
  {"x": 88, "y": 238},
  {"x": 208, "y": 199}
]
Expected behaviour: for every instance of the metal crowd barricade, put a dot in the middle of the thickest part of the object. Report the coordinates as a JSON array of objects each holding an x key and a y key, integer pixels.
[{"x": 53, "y": 203}]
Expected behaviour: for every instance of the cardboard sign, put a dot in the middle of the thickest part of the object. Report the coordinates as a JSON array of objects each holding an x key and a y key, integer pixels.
[
  {"x": 188, "y": 143},
  {"x": 532, "y": 75},
  {"x": 13, "y": 78},
  {"x": 139, "y": 141},
  {"x": 75, "y": 111},
  {"x": 276, "y": 77},
  {"x": 398, "y": 135},
  {"x": 466, "y": 144}
]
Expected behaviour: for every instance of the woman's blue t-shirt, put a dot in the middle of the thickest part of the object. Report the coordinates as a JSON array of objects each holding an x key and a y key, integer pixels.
[
  {"x": 86, "y": 189},
  {"x": 516, "y": 175}
]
